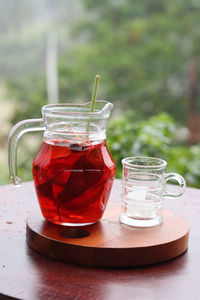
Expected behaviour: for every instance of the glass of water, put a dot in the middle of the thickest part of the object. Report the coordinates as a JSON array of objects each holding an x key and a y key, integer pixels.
[{"x": 144, "y": 190}]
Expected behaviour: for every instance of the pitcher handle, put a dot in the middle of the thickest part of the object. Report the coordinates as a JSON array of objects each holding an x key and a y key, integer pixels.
[{"x": 16, "y": 132}]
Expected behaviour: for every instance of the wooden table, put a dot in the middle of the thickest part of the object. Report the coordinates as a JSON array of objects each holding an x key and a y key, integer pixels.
[{"x": 26, "y": 274}]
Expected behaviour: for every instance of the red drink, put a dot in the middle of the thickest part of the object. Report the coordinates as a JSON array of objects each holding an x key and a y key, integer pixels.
[{"x": 73, "y": 182}]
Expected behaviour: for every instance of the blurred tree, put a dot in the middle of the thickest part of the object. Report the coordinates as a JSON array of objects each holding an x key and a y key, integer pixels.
[
  {"x": 155, "y": 137},
  {"x": 129, "y": 136},
  {"x": 141, "y": 48}
]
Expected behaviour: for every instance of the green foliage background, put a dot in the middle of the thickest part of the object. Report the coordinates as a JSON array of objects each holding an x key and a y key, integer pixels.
[
  {"x": 155, "y": 137},
  {"x": 142, "y": 50}
]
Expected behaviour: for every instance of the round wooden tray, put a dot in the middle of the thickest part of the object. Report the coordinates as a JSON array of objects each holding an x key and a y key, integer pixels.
[{"x": 109, "y": 243}]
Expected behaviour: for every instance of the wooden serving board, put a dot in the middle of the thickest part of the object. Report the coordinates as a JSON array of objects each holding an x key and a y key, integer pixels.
[{"x": 109, "y": 243}]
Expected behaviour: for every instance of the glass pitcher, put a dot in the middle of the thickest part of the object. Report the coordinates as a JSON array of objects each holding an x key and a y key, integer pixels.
[{"x": 73, "y": 170}]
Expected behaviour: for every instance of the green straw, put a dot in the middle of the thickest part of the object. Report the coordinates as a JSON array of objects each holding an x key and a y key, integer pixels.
[
  {"x": 94, "y": 93},
  {"x": 94, "y": 96}
]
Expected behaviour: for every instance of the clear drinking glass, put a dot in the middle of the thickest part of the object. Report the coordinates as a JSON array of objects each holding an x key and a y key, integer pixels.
[
  {"x": 73, "y": 170},
  {"x": 144, "y": 190}
]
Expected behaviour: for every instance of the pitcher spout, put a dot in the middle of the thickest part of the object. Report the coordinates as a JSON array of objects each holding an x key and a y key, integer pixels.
[{"x": 106, "y": 110}]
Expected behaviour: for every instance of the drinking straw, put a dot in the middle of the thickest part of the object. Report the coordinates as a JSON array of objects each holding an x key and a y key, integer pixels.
[
  {"x": 94, "y": 96},
  {"x": 94, "y": 93}
]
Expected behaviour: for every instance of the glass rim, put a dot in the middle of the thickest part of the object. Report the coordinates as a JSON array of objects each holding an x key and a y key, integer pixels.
[
  {"x": 156, "y": 163},
  {"x": 58, "y": 109}
]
